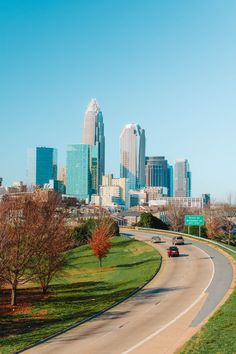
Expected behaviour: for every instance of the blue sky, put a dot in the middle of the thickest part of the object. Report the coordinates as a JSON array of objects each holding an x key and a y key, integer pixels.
[{"x": 168, "y": 65}]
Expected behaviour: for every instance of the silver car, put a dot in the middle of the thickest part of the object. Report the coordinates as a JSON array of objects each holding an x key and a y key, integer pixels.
[
  {"x": 178, "y": 240},
  {"x": 156, "y": 239}
]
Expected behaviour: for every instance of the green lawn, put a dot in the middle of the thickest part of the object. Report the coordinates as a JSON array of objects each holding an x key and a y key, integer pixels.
[
  {"x": 82, "y": 290},
  {"x": 218, "y": 336}
]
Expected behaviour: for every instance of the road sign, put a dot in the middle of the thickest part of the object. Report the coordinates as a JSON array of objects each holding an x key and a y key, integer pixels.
[{"x": 194, "y": 220}]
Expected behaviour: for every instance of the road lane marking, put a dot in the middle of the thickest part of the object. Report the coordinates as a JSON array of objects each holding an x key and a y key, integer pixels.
[{"x": 139, "y": 344}]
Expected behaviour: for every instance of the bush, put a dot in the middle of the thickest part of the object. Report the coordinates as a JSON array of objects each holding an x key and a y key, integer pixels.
[
  {"x": 150, "y": 221},
  {"x": 83, "y": 233}
]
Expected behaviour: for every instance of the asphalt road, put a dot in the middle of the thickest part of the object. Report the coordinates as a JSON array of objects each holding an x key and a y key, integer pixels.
[{"x": 163, "y": 315}]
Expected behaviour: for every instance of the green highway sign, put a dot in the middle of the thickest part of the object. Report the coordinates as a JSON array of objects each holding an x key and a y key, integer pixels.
[{"x": 194, "y": 220}]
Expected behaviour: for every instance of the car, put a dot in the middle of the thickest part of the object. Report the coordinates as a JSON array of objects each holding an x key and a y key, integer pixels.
[
  {"x": 173, "y": 251},
  {"x": 178, "y": 240},
  {"x": 156, "y": 239}
]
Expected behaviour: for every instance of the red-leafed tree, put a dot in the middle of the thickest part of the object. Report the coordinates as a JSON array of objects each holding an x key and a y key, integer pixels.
[{"x": 101, "y": 240}]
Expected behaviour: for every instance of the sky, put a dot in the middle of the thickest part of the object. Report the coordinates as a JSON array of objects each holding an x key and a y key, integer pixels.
[{"x": 169, "y": 66}]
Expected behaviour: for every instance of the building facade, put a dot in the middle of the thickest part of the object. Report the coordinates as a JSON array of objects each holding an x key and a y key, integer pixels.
[
  {"x": 81, "y": 169},
  {"x": 93, "y": 134},
  {"x": 182, "y": 179},
  {"x": 41, "y": 165},
  {"x": 132, "y": 155}
]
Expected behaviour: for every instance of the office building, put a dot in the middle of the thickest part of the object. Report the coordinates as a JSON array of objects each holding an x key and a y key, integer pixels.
[
  {"x": 132, "y": 155},
  {"x": 159, "y": 173},
  {"x": 178, "y": 202},
  {"x": 93, "y": 134},
  {"x": 182, "y": 179},
  {"x": 170, "y": 181},
  {"x": 107, "y": 180},
  {"x": 41, "y": 165},
  {"x": 81, "y": 170},
  {"x": 62, "y": 174}
]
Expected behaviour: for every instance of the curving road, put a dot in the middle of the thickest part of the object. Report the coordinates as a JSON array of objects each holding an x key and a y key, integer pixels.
[{"x": 164, "y": 314}]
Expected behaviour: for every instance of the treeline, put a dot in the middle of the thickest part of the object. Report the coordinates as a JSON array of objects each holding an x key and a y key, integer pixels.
[
  {"x": 34, "y": 238},
  {"x": 219, "y": 222}
]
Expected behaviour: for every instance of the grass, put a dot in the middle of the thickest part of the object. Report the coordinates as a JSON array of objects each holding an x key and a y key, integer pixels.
[
  {"x": 82, "y": 290},
  {"x": 218, "y": 336}
]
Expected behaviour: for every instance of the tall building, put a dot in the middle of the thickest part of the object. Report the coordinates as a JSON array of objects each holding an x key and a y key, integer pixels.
[
  {"x": 170, "y": 181},
  {"x": 107, "y": 180},
  {"x": 159, "y": 173},
  {"x": 41, "y": 165},
  {"x": 81, "y": 169},
  {"x": 62, "y": 174},
  {"x": 182, "y": 179},
  {"x": 132, "y": 155},
  {"x": 156, "y": 171},
  {"x": 93, "y": 134}
]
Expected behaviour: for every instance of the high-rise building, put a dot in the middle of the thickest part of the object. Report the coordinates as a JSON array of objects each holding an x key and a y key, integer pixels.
[
  {"x": 107, "y": 180},
  {"x": 132, "y": 155},
  {"x": 81, "y": 169},
  {"x": 170, "y": 181},
  {"x": 156, "y": 171},
  {"x": 41, "y": 165},
  {"x": 62, "y": 174},
  {"x": 159, "y": 173},
  {"x": 93, "y": 134},
  {"x": 182, "y": 179}
]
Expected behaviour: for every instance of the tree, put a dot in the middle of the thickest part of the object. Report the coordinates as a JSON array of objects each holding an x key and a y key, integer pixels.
[
  {"x": 18, "y": 224},
  {"x": 51, "y": 257},
  {"x": 175, "y": 216},
  {"x": 150, "y": 221},
  {"x": 213, "y": 221},
  {"x": 101, "y": 240},
  {"x": 82, "y": 233}
]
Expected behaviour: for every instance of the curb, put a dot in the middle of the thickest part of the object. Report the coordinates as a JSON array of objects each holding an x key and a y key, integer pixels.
[{"x": 93, "y": 317}]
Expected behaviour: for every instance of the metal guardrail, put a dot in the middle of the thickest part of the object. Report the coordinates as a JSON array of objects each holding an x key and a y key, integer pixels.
[{"x": 186, "y": 235}]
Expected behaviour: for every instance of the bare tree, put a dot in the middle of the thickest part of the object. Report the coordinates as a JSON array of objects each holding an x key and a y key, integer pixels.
[
  {"x": 213, "y": 221},
  {"x": 228, "y": 214},
  {"x": 175, "y": 216}
]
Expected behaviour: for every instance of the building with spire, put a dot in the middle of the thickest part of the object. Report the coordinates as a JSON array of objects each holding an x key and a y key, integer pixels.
[
  {"x": 93, "y": 134},
  {"x": 132, "y": 155}
]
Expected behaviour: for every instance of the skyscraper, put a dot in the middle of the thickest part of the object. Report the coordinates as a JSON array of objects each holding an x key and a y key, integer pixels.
[
  {"x": 132, "y": 155},
  {"x": 156, "y": 171},
  {"x": 81, "y": 168},
  {"x": 182, "y": 179},
  {"x": 93, "y": 134},
  {"x": 41, "y": 165}
]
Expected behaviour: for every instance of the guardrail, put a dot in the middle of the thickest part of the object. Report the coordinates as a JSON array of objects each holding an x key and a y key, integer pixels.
[{"x": 186, "y": 235}]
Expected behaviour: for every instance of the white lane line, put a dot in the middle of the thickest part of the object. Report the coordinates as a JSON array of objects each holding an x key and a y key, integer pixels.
[{"x": 177, "y": 317}]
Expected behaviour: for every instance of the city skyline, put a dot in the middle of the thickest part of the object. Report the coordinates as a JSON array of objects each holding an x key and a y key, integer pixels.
[{"x": 169, "y": 67}]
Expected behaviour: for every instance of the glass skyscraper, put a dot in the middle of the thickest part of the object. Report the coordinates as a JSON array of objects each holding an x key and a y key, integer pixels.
[
  {"x": 182, "y": 179},
  {"x": 93, "y": 134},
  {"x": 159, "y": 173},
  {"x": 41, "y": 165},
  {"x": 81, "y": 169},
  {"x": 132, "y": 155}
]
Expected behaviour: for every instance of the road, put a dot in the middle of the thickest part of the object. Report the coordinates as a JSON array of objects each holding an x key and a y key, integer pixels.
[{"x": 163, "y": 315}]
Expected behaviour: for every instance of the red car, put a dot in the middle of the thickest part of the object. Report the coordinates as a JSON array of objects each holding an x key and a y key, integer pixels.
[{"x": 173, "y": 251}]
